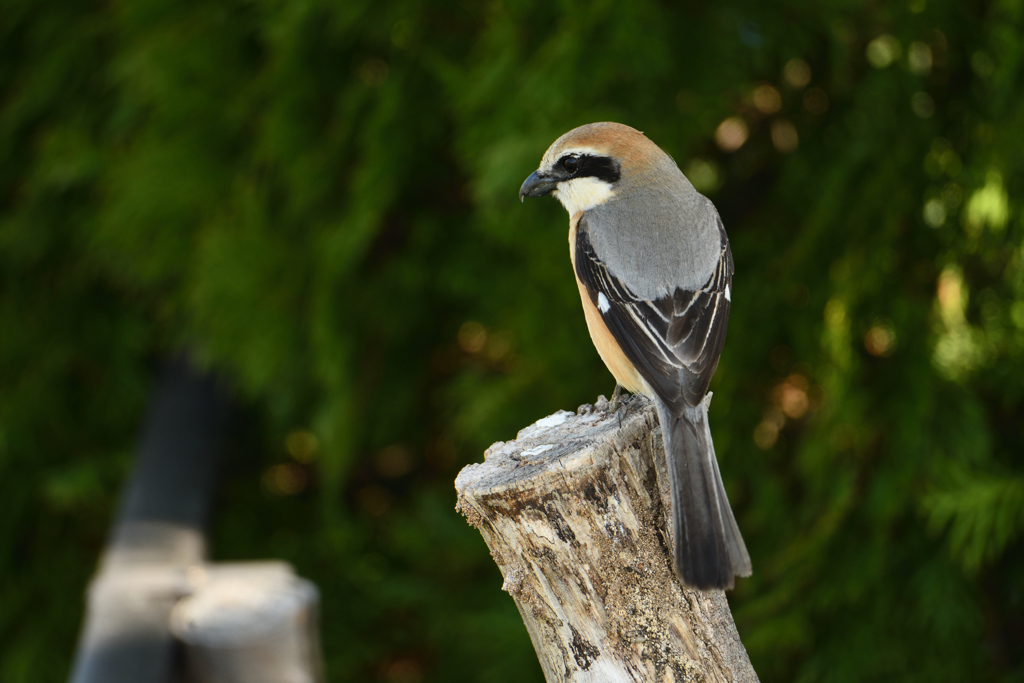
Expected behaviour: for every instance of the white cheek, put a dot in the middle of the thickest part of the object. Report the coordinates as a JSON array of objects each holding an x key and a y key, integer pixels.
[{"x": 580, "y": 194}]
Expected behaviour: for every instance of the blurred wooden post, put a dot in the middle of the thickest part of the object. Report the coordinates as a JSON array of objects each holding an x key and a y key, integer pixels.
[
  {"x": 158, "y": 533},
  {"x": 573, "y": 514},
  {"x": 254, "y": 622}
]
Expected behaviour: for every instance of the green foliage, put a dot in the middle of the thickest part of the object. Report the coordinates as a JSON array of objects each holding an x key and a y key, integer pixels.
[
  {"x": 320, "y": 199},
  {"x": 985, "y": 514}
]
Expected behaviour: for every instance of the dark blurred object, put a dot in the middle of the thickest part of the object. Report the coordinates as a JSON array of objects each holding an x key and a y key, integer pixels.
[{"x": 158, "y": 534}]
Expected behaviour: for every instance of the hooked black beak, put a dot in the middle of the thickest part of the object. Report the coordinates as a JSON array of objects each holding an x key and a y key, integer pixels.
[{"x": 537, "y": 186}]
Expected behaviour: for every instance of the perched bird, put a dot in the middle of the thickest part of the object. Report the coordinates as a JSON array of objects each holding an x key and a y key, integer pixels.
[{"x": 654, "y": 270}]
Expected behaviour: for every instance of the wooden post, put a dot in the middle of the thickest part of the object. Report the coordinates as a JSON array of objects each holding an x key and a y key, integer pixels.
[
  {"x": 254, "y": 622},
  {"x": 573, "y": 512},
  {"x": 251, "y": 622},
  {"x": 157, "y": 534}
]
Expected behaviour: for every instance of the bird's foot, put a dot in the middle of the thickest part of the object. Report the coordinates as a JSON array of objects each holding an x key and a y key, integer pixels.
[
  {"x": 617, "y": 404},
  {"x": 614, "y": 403},
  {"x": 602, "y": 405}
]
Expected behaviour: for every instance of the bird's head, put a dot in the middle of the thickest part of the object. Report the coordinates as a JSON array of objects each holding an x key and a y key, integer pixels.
[{"x": 589, "y": 165}]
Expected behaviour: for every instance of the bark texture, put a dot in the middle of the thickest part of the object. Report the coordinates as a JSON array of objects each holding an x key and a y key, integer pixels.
[{"x": 573, "y": 512}]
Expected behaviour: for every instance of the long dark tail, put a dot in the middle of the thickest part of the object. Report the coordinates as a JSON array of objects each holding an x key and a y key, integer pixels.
[{"x": 709, "y": 549}]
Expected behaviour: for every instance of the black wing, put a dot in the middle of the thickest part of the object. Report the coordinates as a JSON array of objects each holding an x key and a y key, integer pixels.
[{"x": 674, "y": 341}]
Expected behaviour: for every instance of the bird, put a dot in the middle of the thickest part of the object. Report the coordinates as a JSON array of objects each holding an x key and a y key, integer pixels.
[{"x": 654, "y": 271}]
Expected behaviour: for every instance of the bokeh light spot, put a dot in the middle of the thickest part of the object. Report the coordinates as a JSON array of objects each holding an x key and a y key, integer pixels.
[
  {"x": 952, "y": 296},
  {"x": 919, "y": 58},
  {"x": 934, "y": 213},
  {"x": 880, "y": 340},
  {"x": 883, "y": 51},
  {"x": 767, "y": 99},
  {"x": 498, "y": 346},
  {"x": 765, "y": 435},
  {"x": 942, "y": 159},
  {"x": 731, "y": 134},
  {"x": 285, "y": 480},
  {"x": 791, "y": 396},
  {"x": 1017, "y": 314},
  {"x": 472, "y": 337},
  {"x": 401, "y": 34},
  {"x": 784, "y": 136},
  {"x": 302, "y": 445},
  {"x": 988, "y": 206},
  {"x": 703, "y": 175},
  {"x": 922, "y": 104},
  {"x": 797, "y": 73}
]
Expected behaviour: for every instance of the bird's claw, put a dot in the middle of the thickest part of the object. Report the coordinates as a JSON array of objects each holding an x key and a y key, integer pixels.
[
  {"x": 616, "y": 404},
  {"x": 613, "y": 404}
]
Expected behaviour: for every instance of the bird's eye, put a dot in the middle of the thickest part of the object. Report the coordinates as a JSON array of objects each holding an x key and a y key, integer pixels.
[{"x": 571, "y": 164}]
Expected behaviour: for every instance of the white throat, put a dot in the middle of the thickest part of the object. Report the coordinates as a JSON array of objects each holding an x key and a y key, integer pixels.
[{"x": 581, "y": 194}]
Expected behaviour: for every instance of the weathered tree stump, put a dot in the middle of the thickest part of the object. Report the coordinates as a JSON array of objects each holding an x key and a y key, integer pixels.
[{"x": 574, "y": 513}]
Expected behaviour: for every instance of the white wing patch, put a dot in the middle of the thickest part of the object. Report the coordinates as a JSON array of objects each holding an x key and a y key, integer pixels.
[
  {"x": 728, "y": 293},
  {"x": 602, "y": 302}
]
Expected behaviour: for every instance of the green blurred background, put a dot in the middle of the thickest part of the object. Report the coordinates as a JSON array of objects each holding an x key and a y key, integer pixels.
[{"x": 319, "y": 198}]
